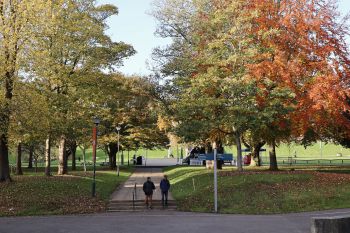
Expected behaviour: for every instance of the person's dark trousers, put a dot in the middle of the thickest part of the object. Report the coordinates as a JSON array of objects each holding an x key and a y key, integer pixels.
[{"x": 165, "y": 198}]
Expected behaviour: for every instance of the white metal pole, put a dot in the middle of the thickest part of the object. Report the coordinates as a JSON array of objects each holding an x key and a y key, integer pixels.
[
  {"x": 118, "y": 156},
  {"x": 215, "y": 182}
]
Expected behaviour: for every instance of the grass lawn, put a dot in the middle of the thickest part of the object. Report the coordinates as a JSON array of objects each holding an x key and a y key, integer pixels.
[
  {"x": 329, "y": 151},
  {"x": 35, "y": 194},
  {"x": 259, "y": 191},
  {"x": 315, "y": 151},
  {"x": 100, "y": 157}
]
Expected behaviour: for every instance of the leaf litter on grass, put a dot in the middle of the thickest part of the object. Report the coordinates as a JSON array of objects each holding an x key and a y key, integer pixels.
[
  {"x": 30, "y": 195},
  {"x": 259, "y": 192}
]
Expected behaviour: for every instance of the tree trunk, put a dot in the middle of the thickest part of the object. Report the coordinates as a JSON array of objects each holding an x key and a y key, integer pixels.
[
  {"x": 114, "y": 159},
  {"x": 84, "y": 158},
  {"x": 48, "y": 157},
  {"x": 36, "y": 163},
  {"x": 10, "y": 48},
  {"x": 74, "y": 150},
  {"x": 256, "y": 160},
  {"x": 83, "y": 151},
  {"x": 239, "y": 151},
  {"x": 273, "y": 158},
  {"x": 110, "y": 160},
  {"x": 113, "y": 149},
  {"x": 220, "y": 148},
  {"x": 30, "y": 160},
  {"x": 128, "y": 157},
  {"x": 253, "y": 162},
  {"x": 19, "y": 160},
  {"x": 62, "y": 158},
  {"x": 67, "y": 154},
  {"x": 4, "y": 159},
  {"x": 209, "y": 148}
]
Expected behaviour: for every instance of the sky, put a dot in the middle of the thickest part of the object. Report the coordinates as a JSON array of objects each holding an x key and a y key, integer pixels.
[{"x": 134, "y": 26}]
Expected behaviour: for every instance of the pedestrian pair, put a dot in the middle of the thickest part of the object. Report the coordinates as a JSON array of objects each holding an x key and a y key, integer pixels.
[{"x": 149, "y": 187}]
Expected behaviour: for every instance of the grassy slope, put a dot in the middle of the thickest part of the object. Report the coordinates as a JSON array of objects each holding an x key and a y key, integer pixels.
[
  {"x": 261, "y": 193},
  {"x": 35, "y": 194}
]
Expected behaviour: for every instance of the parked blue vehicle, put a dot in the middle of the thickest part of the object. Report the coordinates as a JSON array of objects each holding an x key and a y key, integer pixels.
[{"x": 225, "y": 158}]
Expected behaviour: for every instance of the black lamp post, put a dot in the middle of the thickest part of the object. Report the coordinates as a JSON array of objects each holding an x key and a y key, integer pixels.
[{"x": 94, "y": 146}]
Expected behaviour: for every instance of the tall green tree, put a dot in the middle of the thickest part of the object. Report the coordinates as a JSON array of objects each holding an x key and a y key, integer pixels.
[
  {"x": 127, "y": 102},
  {"x": 218, "y": 96},
  {"x": 17, "y": 19},
  {"x": 74, "y": 47},
  {"x": 29, "y": 122}
]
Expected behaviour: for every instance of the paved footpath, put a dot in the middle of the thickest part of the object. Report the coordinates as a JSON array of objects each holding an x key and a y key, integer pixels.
[
  {"x": 160, "y": 221},
  {"x": 124, "y": 193}
]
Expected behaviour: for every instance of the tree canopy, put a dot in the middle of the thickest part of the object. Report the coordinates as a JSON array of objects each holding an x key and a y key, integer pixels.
[
  {"x": 275, "y": 69},
  {"x": 258, "y": 72}
]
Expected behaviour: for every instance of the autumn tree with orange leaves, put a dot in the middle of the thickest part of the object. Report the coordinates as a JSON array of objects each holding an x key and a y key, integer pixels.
[
  {"x": 308, "y": 54},
  {"x": 292, "y": 53}
]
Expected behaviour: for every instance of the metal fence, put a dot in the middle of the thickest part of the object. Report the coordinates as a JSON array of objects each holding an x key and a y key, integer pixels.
[{"x": 318, "y": 162}]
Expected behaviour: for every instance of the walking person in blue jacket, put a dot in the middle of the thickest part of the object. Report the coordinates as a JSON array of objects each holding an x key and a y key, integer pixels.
[
  {"x": 148, "y": 188},
  {"x": 164, "y": 187}
]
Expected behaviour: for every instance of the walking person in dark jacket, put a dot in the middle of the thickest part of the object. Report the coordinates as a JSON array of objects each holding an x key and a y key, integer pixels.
[
  {"x": 148, "y": 188},
  {"x": 164, "y": 187}
]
